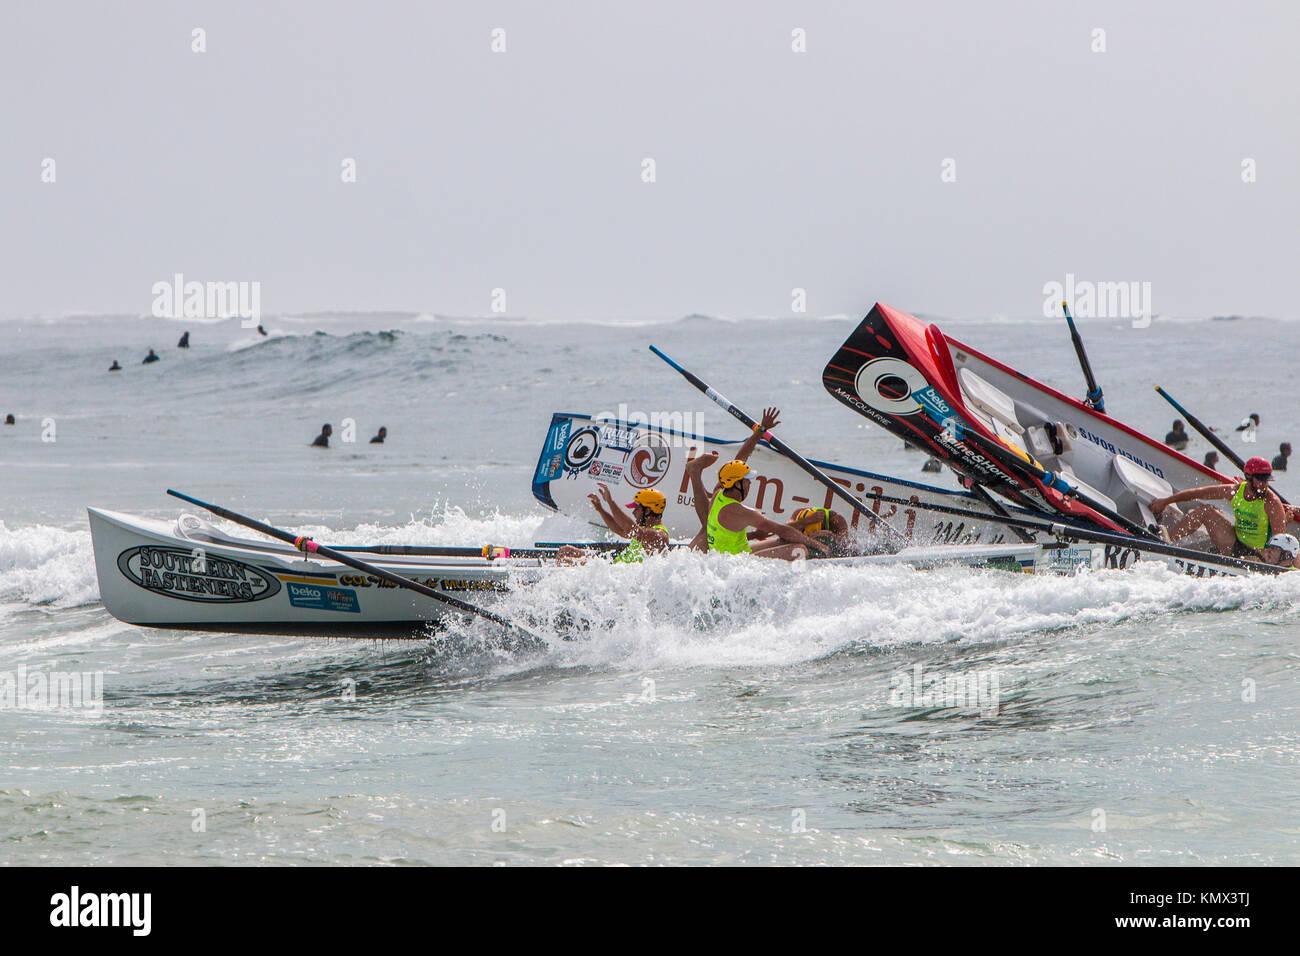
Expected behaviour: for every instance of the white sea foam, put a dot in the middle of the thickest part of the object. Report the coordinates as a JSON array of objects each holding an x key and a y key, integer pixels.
[
  {"x": 45, "y": 565},
  {"x": 691, "y": 610}
]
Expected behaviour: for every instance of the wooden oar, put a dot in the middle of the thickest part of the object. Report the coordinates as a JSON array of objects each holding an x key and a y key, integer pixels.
[
  {"x": 491, "y": 552},
  {"x": 1212, "y": 438},
  {"x": 307, "y": 546},
  {"x": 784, "y": 449},
  {"x": 1094, "y": 397}
]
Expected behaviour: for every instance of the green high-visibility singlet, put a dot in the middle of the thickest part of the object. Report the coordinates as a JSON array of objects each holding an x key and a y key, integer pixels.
[
  {"x": 1251, "y": 519},
  {"x": 634, "y": 553},
  {"x": 721, "y": 539}
]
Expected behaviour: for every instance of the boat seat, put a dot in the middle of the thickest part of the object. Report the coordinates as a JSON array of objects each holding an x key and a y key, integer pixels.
[
  {"x": 1141, "y": 482},
  {"x": 988, "y": 398},
  {"x": 1086, "y": 488},
  {"x": 993, "y": 407},
  {"x": 1143, "y": 485}
]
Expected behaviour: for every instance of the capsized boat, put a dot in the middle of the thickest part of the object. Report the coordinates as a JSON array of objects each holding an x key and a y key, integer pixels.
[
  {"x": 995, "y": 424},
  {"x": 580, "y": 452}
]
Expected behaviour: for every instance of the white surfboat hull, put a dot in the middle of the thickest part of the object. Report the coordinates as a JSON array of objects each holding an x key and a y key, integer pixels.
[
  {"x": 167, "y": 575},
  {"x": 580, "y": 452}
]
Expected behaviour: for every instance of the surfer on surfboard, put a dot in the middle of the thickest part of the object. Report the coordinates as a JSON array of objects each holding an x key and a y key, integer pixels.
[{"x": 1256, "y": 510}]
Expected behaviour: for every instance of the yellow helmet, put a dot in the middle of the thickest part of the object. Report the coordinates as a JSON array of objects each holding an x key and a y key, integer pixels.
[
  {"x": 651, "y": 499},
  {"x": 809, "y": 520},
  {"x": 732, "y": 472}
]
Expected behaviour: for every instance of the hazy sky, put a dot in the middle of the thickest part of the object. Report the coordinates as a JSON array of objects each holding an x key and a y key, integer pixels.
[{"x": 522, "y": 170}]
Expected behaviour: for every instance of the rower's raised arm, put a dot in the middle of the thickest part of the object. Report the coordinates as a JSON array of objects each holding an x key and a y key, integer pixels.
[{"x": 771, "y": 418}]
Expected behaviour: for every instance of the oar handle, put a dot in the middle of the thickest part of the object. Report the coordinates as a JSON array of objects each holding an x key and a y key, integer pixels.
[{"x": 1094, "y": 397}]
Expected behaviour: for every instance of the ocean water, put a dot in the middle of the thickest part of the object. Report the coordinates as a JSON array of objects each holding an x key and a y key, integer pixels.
[{"x": 722, "y": 711}]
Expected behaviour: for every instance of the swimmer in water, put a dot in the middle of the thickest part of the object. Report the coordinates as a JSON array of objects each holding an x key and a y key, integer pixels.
[
  {"x": 184, "y": 343},
  {"x": 151, "y": 357},
  {"x": 379, "y": 438},
  {"x": 323, "y": 439},
  {"x": 115, "y": 367}
]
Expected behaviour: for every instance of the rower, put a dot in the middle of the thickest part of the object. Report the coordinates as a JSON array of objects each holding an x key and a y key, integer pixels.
[
  {"x": 323, "y": 439},
  {"x": 1282, "y": 550},
  {"x": 695, "y": 467},
  {"x": 643, "y": 528},
  {"x": 825, "y": 525},
  {"x": 1256, "y": 509},
  {"x": 729, "y": 522}
]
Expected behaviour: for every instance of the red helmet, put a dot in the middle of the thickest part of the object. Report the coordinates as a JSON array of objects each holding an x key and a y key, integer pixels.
[{"x": 1257, "y": 466}]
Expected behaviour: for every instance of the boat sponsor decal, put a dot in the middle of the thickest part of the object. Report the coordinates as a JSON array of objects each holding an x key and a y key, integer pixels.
[
  {"x": 1009, "y": 562},
  {"x": 890, "y": 385},
  {"x": 619, "y": 435},
  {"x": 1119, "y": 557},
  {"x": 551, "y": 463},
  {"x": 465, "y": 584},
  {"x": 581, "y": 448},
  {"x": 321, "y": 598},
  {"x": 1068, "y": 559},
  {"x": 1115, "y": 450},
  {"x": 194, "y": 575},
  {"x": 649, "y": 460},
  {"x": 895, "y": 387},
  {"x": 604, "y": 471},
  {"x": 939, "y": 410}
]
